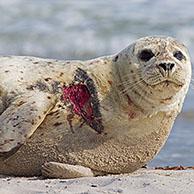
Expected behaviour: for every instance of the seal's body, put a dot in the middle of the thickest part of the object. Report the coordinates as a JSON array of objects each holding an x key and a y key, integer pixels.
[{"x": 82, "y": 118}]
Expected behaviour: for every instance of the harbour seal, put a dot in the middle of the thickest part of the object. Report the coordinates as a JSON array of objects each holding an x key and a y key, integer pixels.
[{"x": 68, "y": 119}]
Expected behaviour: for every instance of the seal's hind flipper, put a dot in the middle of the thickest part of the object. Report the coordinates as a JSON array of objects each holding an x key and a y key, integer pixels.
[
  {"x": 67, "y": 171},
  {"x": 19, "y": 121}
]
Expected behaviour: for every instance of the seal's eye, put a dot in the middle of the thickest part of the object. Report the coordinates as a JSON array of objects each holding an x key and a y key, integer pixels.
[
  {"x": 179, "y": 55},
  {"x": 146, "y": 55}
]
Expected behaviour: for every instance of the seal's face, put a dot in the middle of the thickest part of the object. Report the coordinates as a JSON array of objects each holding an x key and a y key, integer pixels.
[
  {"x": 163, "y": 62},
  {"x": 157, "y": 72}
]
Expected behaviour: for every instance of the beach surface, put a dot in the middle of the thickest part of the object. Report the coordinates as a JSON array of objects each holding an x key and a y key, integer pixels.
[{"x": 142, "y": 181}]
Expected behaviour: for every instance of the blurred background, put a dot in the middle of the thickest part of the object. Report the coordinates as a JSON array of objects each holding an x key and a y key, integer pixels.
[{"x": 83, "y": 29}]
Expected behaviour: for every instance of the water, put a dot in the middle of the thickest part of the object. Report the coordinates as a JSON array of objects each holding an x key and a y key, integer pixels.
[{"x": 67, "y": 29}]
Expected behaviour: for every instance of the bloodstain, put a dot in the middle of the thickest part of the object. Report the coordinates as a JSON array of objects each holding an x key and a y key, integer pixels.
[
  {"x": 79, "y": 97},
  {"x": 131, "y": 115},
  {"x": 82, "y": 95},
  {"x": 110, "y": 82}
]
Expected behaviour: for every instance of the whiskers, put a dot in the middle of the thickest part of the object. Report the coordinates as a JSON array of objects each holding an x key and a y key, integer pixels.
[
  {"x": 136, "y": 86},
  {"x": 129, "y": 85},
  {"x": 154, "y": 79}
]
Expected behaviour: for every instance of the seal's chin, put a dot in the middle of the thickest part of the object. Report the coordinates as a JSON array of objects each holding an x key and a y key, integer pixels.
[{"x": 165, "y": 90}]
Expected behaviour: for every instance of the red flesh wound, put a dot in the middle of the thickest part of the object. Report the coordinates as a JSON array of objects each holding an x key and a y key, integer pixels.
[{"x": 79, "y": 96}]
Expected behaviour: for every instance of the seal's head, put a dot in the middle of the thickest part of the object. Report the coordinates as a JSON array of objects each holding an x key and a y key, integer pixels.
[
  {"x": 160, "y": 70},
  {"x": 162, "y": 61}
]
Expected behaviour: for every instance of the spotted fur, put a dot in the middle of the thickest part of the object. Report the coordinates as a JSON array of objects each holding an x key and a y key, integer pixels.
[{"x": 133, "y": 102}]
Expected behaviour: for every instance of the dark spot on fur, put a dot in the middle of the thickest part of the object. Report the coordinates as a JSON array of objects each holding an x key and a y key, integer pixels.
[
  {"x": 48, "y": 97},
  {"x": 41, "y": 86},
  {"x": 15, "y": 125},
  {"x": 166, "y": 99},
  {"x": 31, "y": 87},
  {"x": 47, "y": 79},
  {"x": 12, "y": 92},
  {"x": 50, "y": 64},
  {"x": 6, "y": 71},
  {"x": 57, "y": 124},
  {"x": 39, "y": 117},
  {"x": 61, "y": 74},
  {"x": 132, "y": 71},
  {"x": 59, "y": 106},
  {"x": 21, "y": 72},
  {"x": 16, "y": 118},
  {"x": 116, "y": 59},
  {"x": 35, "y": 62},
  {"x": 110, "y": 82},
  {"x": 55, "y": 87},
  {"x": 20, "y": 103}
]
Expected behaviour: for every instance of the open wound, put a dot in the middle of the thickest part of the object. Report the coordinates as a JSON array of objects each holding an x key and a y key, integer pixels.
[{"x": 82, "y": 96}]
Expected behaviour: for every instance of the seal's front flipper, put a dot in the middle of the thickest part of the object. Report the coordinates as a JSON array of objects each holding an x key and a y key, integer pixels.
[
  {"x": 66, "y": 171},
  {"x": 19, "y": 121}
]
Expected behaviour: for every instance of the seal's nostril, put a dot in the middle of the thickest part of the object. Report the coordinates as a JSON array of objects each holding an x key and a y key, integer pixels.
[
  {"x": 167, "y": 66},
  {"x": 171, "y": 65},
  {"x": 163, "y": 66}
]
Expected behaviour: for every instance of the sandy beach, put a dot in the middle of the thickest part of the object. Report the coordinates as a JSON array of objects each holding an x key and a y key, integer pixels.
[{"x": 142, "y": 181}]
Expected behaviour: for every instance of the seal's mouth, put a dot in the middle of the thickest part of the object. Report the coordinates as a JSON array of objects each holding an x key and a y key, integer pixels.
[
  {"x": 165, "y": 82},
  {"x": 170, "y": 83}
]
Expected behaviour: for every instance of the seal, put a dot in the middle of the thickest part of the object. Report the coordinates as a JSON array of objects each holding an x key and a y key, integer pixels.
[{"x": 67, "y": 119}]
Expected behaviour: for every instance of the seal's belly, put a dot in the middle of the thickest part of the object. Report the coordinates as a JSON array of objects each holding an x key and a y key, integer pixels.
[
  {"x": 122, "y": 148},
  {"x": 115, "y": 151}
]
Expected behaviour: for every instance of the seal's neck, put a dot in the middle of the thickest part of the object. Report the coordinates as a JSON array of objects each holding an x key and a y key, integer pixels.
[{"x": 108, "y": 80}]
